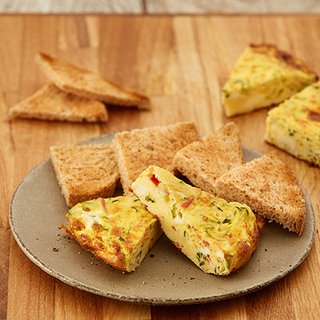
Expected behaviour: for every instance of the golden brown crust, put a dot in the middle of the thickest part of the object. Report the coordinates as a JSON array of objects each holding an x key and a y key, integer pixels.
[
  {"x": 139, "y": 148},
  {"x": 269, "y": 187},
  {"x": 92, "y": 166},
  {"x": 202, "y": 162},
  {"x": 50, "y": 103},
  {"x": 272, "y": 51},
  {"x": 244, "y": 250},
  {"x": 97, "y": 247},
  {"x": 81, "y": 82}
]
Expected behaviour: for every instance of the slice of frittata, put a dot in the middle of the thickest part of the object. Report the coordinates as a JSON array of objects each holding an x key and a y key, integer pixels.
[
  {"x": 264, "y": 76},
  {"x": 119, "y": 230},
  {"x": 219, "y": 237},
  {"x": 294, "y": 125}
]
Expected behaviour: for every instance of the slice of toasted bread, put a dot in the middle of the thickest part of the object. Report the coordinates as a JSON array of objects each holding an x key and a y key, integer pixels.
[
  {"x": 202, "y": 162},
  {"x": 85, "y": 172},
  {"x": 87, "y": 84},
  {"x": 269, "y": 187},
  {"x": 50, "y": 103},
  {"x": 139, "y": 148}
]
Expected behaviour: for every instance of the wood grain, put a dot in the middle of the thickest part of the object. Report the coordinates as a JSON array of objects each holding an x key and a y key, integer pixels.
[
  {"x": 181, "y": 62},
  {"x": 4, "y": 270}
]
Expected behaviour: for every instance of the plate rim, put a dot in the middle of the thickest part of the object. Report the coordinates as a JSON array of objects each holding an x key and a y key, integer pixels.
[{"x": 153, "y": 301}]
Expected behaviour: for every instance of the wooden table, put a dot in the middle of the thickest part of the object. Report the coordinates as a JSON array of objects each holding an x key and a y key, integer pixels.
[{"x": 181, "y": 62}]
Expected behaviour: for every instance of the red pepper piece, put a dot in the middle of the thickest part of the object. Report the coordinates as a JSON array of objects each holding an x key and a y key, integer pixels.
[
  {"x": 187, "y": 203},
  {"x": 103, "y": 202},
  {"x": 155, "y": 180}
]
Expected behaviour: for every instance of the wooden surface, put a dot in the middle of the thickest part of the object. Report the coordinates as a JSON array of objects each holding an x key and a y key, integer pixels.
[
  {"x": 160, "y": 6},
  {"x": 181, "y": 62}
]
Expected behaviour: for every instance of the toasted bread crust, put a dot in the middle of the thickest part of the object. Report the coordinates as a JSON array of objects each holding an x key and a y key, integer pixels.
[
  {"x": 139, "y": 148},
  {"x": 86, "y": 84},
  {"x": 202, "y": 162},
  {"x": 269, "y": 187},
  {"x": 92, "y": 166},
  {"x": 50, "y": 103}
]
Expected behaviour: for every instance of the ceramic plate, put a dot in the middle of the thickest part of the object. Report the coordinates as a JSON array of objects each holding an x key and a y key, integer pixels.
[{"x": 166, "y": 276}]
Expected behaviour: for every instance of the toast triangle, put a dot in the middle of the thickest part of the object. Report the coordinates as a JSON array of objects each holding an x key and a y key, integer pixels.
[
  {"x": 84, "y": 83},
  {"x": 50, "y": 103},
  {"x": 93, "y": 166},
  {"x": 139, "y": 148},
  {"x": 203, "y": 161},
  {"x": 269, "y": 187}
]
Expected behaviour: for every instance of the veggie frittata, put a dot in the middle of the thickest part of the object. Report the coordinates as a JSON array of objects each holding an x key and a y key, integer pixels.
[
  {"x": 294, "y": 126},
  {"x": 118, "y": 230},
  {"x": 219, "y": 237},
  {"x": 264, "y": 76}
]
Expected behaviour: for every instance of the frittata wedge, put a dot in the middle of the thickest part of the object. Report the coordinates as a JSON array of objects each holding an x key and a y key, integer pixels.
[
  {"x": 119, "y": 230},
  {"x": 294, "y": 126},
  {"x": 264, "y": 76},
  {"x": 219, "y": 237}
]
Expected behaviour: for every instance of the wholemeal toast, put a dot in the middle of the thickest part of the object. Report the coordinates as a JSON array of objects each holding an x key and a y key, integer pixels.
[
  {"x": 87, "y": 84},
  {"x": 202, "y": 162},
  {"x": 85, "y": 172},
  {"x": 50, "y": 103},
  {"x": 139, "y": 148},
  {"x": 269, "y": 187}
]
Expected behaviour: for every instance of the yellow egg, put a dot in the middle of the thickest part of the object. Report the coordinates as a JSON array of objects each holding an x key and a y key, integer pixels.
[
  {"x": 118, "y": 230},
  {"x": 263, "y": 76},
  {"x": 219, "y": 237},
  {"x": 294, "y": 125}
]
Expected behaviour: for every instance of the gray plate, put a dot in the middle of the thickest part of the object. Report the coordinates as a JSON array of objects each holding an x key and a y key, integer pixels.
[{"x": 166, "y": 276}]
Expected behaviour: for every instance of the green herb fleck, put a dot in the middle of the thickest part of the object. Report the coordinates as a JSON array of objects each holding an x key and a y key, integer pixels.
[
  {"x": 121, "y": 239},
  {"x": 217, "y": 207},
  {"x": 173, "y": 211},
  {"x": 149, "y": 199},
  {"x": 292, "y": 132}
]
